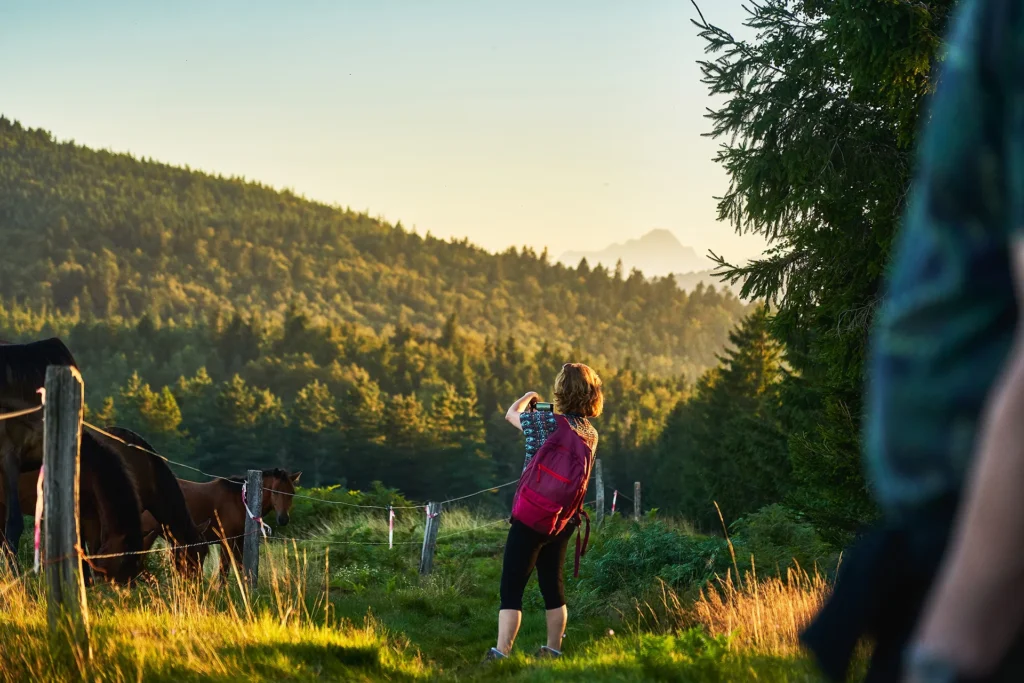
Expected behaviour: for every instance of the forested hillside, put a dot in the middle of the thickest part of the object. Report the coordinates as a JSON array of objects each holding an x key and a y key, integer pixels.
[
  {"x": 238, "y": 326},
  {"x": 106, "y": 235}
]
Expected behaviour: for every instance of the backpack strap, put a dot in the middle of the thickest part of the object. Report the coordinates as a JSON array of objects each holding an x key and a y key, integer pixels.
[{"x": 581, "y": 551}]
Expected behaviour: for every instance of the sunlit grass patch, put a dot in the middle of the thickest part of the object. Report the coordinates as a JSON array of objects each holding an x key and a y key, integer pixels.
[
  {"x": 690, "y": 657},
  {"x": 169, "y": 628},
  {"x": 328, "y": 607},
  {"x": 139, "y": 644},
  {"x": 764, "y": 615}
]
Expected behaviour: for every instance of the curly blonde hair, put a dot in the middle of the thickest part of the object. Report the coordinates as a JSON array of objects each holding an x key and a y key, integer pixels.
[{"x": 578, "y": 391}]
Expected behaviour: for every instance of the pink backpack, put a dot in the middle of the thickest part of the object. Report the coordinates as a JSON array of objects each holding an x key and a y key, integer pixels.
[{"x": 553, "y": 486}]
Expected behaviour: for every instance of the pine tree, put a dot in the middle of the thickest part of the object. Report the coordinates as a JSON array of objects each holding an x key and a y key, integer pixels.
[
  {"x": 818, "y": 123},
  {"x": 362, "y": 414},
  {"x": 107, "y": 415},
  {"x": 163, "y": 415},
  {"x": 315, "y": 418},
  {"x": 725, "y": 444},
  {"x": 444, "y": 417},
  {"x": 450, "y": 332}
]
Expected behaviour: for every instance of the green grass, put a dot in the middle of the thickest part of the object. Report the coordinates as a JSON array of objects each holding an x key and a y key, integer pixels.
[
  {"x": 179, "y": 633},
  {"x": 691, "y": 656},
  {"x": 380, "y": 622}
]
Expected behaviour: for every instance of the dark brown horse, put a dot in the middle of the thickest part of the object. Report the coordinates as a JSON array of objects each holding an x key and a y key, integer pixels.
[
  {"x": 109, "y": 514},
  {"x": 22, "y": 374},
  {"x": 160, "y": 496},
  {"x": 221, "y": 500}
]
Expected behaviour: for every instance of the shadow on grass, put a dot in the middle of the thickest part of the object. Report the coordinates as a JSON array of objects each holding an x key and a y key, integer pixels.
[{"x": 284, "y": 661}]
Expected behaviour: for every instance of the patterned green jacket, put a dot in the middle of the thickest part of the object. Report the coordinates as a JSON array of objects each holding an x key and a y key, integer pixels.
[{"x": 946, "y": 325}]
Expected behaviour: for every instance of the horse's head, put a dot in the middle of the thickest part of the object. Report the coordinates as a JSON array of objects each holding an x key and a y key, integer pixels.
[
  {"x": 280, "y": 486},
  {"x": 122, "y": 567}
]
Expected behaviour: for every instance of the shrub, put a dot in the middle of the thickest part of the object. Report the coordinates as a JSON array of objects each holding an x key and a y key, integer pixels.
[
  {"x": 630, "y": 558},
  {"x": 777, "y": 538},
  {"x": 632, "y": 561},
  {"x": 308, "y": 515}
]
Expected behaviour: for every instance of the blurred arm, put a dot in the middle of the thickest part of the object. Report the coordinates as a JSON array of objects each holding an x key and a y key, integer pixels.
[{"x": 976, "y": 608}]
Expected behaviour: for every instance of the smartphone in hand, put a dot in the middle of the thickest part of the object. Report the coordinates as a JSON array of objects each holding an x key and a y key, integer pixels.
[{"x": 544, "y": 407}]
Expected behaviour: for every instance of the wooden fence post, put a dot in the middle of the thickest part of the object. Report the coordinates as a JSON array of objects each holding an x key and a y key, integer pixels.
[
  {"x": 599, "y": 482},
  {"x": 636, "y": 500},
  {"x": 430, "y": 538},
  {"x": 62, "y": 566},
  {"x": 253, "y": 528}
]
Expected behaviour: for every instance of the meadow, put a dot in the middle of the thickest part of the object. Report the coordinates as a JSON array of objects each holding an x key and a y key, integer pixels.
[{"x": 654, "y": 602}]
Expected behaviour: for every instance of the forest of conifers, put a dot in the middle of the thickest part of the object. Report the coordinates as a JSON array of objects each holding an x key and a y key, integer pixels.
[{"x": 236, "y": 326}]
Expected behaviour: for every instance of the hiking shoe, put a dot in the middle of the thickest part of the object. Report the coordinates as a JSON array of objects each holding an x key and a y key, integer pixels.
[
  {"x": 494, "y": 654},
  {"x": 546, "y": 652}
]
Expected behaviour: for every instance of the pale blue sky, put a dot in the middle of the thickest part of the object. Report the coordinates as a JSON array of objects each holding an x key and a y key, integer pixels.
[{"x": 563, "y": 124}]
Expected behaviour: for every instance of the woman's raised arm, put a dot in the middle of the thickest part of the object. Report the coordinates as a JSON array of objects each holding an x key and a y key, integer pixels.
[{"x": 520, "y": 406}]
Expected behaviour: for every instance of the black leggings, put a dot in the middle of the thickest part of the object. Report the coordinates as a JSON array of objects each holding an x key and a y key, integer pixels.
[{"x": 526, "y": 549}]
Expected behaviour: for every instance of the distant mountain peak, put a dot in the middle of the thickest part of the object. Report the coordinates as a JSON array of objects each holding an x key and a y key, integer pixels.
[
  {"x": 656, "y": 253},
  {"x": 659, "y": 235}
]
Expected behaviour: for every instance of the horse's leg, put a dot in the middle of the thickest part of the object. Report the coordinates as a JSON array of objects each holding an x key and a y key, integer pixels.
[
  {"x": 89, "y": 538},
  {"x": 11, "y": 468},
  {"x": 237, "y": 550},
  {"x": 234, "y": 556},
  {"x": 3, "y": 516},
  {"x": 225, "y": 561}
]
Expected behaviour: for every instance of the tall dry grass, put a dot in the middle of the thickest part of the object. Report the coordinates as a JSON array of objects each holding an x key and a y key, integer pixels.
[
  {"x": 762, "y": 615},
  {"x": 168, "y": 627}
]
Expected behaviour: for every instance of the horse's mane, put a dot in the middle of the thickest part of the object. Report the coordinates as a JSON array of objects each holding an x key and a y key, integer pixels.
[
  {"x": 117, "y": 501},
  {"x": 23, "y": 369},
  {"x": 181, "y": 522},
  {"x": 130, "y": 437}
]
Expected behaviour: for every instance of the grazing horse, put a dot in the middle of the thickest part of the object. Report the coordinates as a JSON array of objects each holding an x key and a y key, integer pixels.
[
  {"x": 22, "y": 374},
  {"x": 221, "y": 500},
  {"x": 160, "y": 496},
  {"x": 118, "y": 512},
  {"x": 109, "y": 515}
]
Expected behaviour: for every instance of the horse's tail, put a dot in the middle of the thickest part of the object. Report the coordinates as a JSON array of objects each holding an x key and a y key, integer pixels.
[
  {"x": 183, "y": 526},
  {"x": 170, "y": 508},
  {"x": 174, "y": 512},
  {"x": 116, "y": 502}
]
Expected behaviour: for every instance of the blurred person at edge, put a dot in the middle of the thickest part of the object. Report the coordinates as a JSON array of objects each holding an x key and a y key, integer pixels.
[{"x": 938, "y": 585}]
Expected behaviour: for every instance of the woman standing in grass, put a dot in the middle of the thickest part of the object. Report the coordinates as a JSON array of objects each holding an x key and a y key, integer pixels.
[{"x": 565, "y": 441}]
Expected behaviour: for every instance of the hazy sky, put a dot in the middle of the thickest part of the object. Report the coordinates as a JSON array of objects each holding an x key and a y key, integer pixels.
[{"x": 563, "y": 124}]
